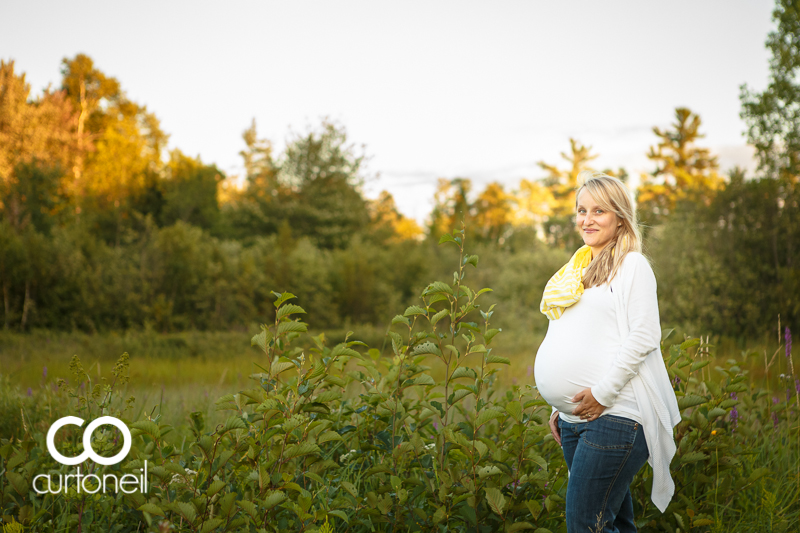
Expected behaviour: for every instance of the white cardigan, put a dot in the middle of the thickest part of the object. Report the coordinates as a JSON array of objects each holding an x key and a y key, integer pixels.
[{"x": 639, "y": 361}]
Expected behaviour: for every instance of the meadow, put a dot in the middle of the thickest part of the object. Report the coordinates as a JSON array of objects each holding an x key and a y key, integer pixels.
[{"x": 430, "y": 425}]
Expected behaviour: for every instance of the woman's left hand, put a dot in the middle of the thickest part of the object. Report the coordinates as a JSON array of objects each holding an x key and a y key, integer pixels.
[{"x": 588, "y": 408}]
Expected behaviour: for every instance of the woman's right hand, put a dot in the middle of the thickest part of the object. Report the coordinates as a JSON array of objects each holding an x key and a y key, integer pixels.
[{"x": 554, "y": 429}]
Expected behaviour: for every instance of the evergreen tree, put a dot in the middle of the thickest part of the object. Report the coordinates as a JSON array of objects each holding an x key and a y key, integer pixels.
[{"x": 773, "y": 116}]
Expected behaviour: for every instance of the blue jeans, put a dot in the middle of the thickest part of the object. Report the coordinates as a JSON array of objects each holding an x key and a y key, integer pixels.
[{"x": 603, "y": 456}]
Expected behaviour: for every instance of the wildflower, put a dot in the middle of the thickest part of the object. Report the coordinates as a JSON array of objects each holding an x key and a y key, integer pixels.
[
  {"x": 787, "y": 336},
  {"x": 775, "y": 420},
  {"x": 30, "y": 392},
  {"x": 346, "y": 456},
  {"x": 734, "y": 414},
  {"x": 428, "y": 447},
  {"x": 676, "y": 381},
  {"x": 435, "y": 425},
  {"x": 44, "y": 373},
  {"x": 714, "y": 432}
]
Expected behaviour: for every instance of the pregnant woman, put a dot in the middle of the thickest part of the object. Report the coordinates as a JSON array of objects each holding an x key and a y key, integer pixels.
[{"x": 600, "y": 366}]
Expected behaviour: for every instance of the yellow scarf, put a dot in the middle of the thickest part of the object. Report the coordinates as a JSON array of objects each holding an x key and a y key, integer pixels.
[{"x": 566, "y": 286}]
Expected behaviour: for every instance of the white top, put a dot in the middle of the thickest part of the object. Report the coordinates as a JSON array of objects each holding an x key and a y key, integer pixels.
[
  {"x": 578, "y": 350},
  {"x": 638, "y": 363}
]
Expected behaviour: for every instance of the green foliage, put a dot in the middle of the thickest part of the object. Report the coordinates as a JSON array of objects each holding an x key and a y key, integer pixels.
[
  {"x": 340, "y": 437},
  {"x": 771, "y": 116}
]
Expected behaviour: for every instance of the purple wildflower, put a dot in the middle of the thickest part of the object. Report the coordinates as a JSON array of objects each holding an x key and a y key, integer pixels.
[
  {"x": 44, "y": 373},
  {"x": 797, "y": 385},
  {"x": 787, "y": 336},
  {"x": 775, "y": 420},
  {"x": 734, "y": 414},
  {"x": 435, "y": 425},
  {"x": 30, "y": 392},
  {"x": 676, "y": 381}
]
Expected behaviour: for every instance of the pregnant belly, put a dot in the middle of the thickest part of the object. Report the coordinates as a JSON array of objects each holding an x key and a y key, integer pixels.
[
  {"x": 561, "y": 374},
  {"x": 557, "y": 385}
]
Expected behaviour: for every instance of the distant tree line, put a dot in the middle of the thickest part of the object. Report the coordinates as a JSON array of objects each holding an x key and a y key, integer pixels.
[{"x": 102, "y": 228}]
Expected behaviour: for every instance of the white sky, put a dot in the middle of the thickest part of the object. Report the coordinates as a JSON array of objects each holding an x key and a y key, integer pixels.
[{"x": 481, "y": 90}]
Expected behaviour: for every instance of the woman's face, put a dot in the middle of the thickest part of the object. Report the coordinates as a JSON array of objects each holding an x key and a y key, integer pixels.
[{"x": 596, "y": 225}]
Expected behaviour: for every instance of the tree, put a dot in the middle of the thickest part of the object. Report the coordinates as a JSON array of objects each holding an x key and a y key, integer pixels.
[
  {"x": 190, "y": 191},
  {"x": 323, "y": 171},
  {"x": 450, "y": 206},
  {"x": 87, "y": 88},
  {"x": 39, "y": 132},
  {"x": 387, "y": 223},
  {"x": 683, "y": 171},
  {"x": 492, "y": 217},
  {"x": 773, "y": 116},
  {"x": 563, "y": 183}
]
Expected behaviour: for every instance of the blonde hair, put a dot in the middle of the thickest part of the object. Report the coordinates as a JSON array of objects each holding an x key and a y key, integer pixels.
[{"x": 614, "y": 196}]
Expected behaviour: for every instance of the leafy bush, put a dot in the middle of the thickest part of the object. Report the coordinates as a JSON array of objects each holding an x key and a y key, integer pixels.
[{"x": 344, "y": 438}]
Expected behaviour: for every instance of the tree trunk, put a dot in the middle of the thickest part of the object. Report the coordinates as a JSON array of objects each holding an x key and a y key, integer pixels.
[
  {"x": 26, "y": 305},
  {"x": 6, "y": 305}
]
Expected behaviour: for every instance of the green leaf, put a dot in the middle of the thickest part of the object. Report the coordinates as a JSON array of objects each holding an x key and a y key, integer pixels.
[
  {"x": 703, "y": 522},
  {"x": 262, "y": 339},
  {"x": 329, "y": 436},
  {"x": 349, "y": 487},
  {"x": 727, "y": 404},
  {"x": 446, "y": 238},
  {"x": 424, "y": 379},
  {"x": 427, "y": 348},
  {"x": 146, "y": 426},
  {"x": 483, "y": 291},
  {"x": 211, "y": 524},
  {"x": 282, "y": 298},
  {"x": 440, "y": 315},
  {"x": 233, "y": 422},
  {"x": 340, "y": 514},
  {"x": 489, "y": 335},
  {"x": 487, "y": 415},
  {"x": 289, "y": 309},
  {"x": 415, "y": 310},
  {"x": 286, "y": 327},
  {"x": 186, "y": 510},
  {"x": 303, "y": 448},
  {"x": 215, "y": 487},
  {"x": 249, "y": 508},
  {"x": 472, "y": 260},
  {"x": 438, "y": 287},
  {"x": 519, "y": 526},
  {"x": 697, "y": 365},
  {"x": 464, "y": 372},
  {"x": 692, "y": 457},
  {"x": 401, "y": 320},
  {"x": 281, "y": 366},
  {"x": 497, "y": 359},
  {"x": 690, "y": 400},
  {"x": 496, "y": 500},
  {"x": 152, "y": 509},
  {"x": 515, "y": 410},
  {"x": 274, "y": 499},
  {"x": 715, "y": 412},
  {"x": 685, "y": 345}
]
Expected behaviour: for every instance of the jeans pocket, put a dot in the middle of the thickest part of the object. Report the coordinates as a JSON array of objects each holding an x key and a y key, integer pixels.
[{"x": 611, "y": 433}]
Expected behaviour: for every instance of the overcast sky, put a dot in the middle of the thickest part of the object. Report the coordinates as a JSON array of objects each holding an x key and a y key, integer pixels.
[{"x": 481, "y": 90}]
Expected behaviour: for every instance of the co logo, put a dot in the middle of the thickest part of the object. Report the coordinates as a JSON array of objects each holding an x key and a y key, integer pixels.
[{"x": 88, "y": 451}]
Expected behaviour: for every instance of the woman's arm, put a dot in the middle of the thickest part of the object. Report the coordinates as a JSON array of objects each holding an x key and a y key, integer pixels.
[{"x": 644, "y": 335}]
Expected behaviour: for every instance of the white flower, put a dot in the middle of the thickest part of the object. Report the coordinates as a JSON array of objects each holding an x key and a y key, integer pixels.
[{"x": 346, "y": 456}]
